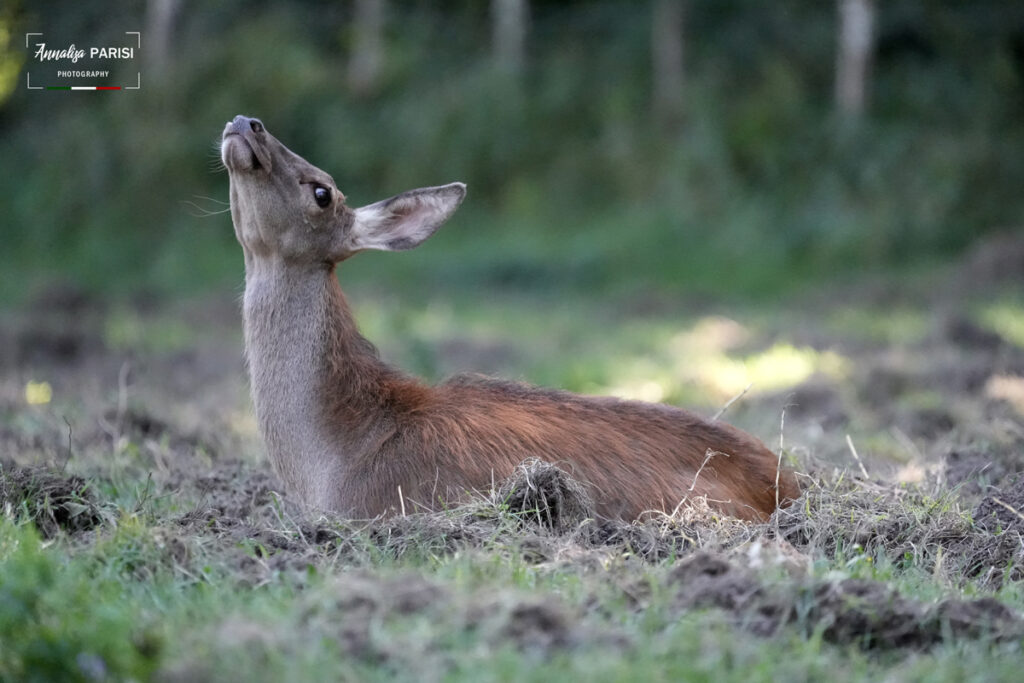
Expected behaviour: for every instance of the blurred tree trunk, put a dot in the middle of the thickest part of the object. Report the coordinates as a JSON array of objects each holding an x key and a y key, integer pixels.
[
  {"x": 667, "y": 40},
  {"x": 367, "y": 60},
  {"x": 509, "y": 20},
  {"x": 853, "y": 58},
  {"x": 161, "y": 16}
]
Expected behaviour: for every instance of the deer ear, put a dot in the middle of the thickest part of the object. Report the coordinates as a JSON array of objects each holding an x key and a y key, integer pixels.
[{"x": 405, "y": 220}]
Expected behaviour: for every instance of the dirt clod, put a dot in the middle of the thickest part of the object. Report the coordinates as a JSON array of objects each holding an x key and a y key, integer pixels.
[
  {"x": 1002, "y": 511},
  {"x": 53, "y": 501},
  {"x": 544, "y": 494},
  {"x": 967, "y": 334},
  {"x": 816, "y": 400},
  {"x": 869, "y": 614},
  {"x": 538, "y": 626},
  {"x": 862, "y": 612},
  {"x": 973, "y": 469}
]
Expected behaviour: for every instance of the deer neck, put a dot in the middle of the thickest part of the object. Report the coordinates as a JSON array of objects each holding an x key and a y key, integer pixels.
[{"x": 316, "y": 382}]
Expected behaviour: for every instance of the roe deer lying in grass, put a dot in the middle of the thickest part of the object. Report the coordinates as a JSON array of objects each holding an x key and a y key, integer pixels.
[{"x": 346, "y": 432}]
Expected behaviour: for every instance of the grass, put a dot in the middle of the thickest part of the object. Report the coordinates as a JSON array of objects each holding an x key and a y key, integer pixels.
[
  {"x": 148, "y": 595},
  {"x": 143, "y": 537}
]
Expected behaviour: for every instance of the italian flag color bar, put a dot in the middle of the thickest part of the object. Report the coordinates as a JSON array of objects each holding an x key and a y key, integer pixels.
[{"x": 83, "y": 87}]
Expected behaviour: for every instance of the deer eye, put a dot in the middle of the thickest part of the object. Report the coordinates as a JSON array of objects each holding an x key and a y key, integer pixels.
[{"x": 322, "y": 195}]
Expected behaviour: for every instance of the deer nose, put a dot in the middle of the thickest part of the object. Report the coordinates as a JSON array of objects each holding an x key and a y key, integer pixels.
[{"x": 241, "y": 124}]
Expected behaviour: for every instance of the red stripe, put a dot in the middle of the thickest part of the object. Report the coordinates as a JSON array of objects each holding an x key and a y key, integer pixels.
[{"x": 108, "y": 87}]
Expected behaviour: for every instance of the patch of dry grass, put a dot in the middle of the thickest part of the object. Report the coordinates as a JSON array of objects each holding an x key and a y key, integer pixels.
[{"x": 53, "y": 501}]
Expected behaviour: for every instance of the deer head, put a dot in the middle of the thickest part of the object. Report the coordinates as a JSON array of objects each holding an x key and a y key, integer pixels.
[{"x": 284, "y": 207}]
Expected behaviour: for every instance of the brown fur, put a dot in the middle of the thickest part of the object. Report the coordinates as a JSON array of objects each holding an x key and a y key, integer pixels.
[{"x": 347, "y": 432}]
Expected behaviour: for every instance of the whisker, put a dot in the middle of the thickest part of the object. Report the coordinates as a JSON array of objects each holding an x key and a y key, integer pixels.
[
  {"x": 202, "y": 212},
  {"x": 211, "y": 199},
  {"x": 216, "y": 161}
]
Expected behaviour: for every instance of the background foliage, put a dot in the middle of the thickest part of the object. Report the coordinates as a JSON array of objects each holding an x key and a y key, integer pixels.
[{"x": 571, "y": 181}]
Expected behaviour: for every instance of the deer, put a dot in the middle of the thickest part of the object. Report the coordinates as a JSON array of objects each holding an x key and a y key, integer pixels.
[{"x": 349, "y": 434}]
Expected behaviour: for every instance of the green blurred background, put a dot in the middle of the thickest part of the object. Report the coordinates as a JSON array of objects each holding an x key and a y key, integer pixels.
[{"x": 683, "y": 147}]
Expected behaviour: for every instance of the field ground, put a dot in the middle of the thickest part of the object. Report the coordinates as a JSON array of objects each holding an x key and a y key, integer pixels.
[{"x": 144, "y": 536}]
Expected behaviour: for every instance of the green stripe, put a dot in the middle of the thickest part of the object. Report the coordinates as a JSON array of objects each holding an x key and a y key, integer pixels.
[{"x": 58, "y": 87}]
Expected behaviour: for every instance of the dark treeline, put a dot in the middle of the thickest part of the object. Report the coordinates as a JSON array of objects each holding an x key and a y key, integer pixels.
[{"x": 701, "y": 142}]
